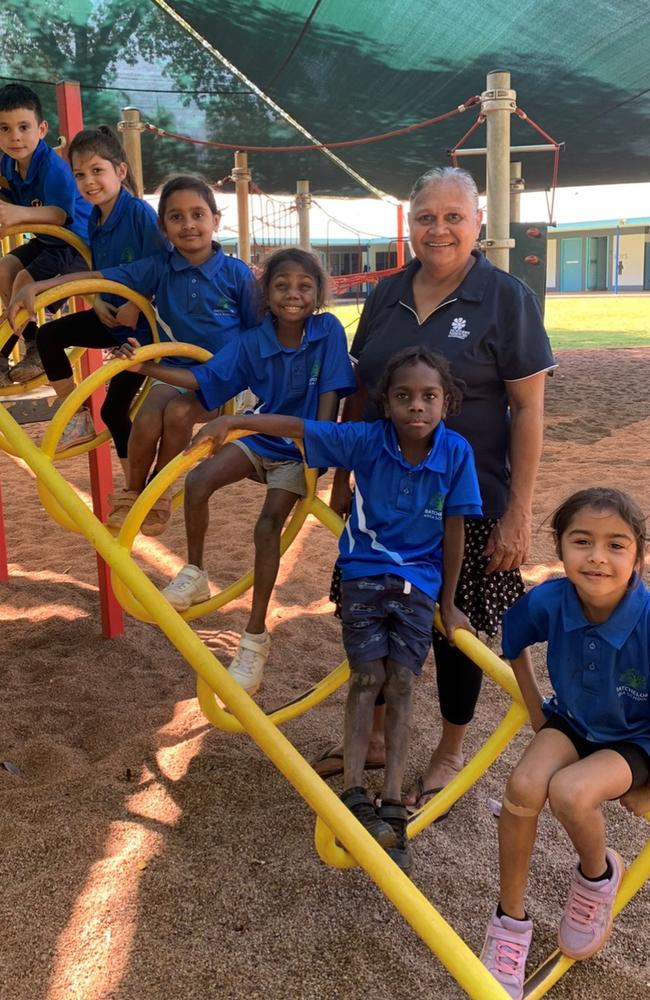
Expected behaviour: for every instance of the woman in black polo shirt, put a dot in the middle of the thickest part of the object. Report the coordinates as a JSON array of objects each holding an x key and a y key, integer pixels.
[{"x": 489, "y": 326}]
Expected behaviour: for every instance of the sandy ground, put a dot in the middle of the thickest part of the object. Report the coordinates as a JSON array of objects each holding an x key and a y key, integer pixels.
[{"x": 146, "y": 856}]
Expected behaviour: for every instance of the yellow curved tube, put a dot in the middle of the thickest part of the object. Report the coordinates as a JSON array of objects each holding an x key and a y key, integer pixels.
[
  {"x": 427, "y": 922},
  {"x": 44, "y": 229},
  {"x": 81, "y": 393}
]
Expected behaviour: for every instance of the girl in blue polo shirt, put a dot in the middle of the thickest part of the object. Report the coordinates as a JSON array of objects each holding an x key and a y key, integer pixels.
[
  {"x": 401, "y": 549},
  {"x": 121, "y": 228},
  {"x": 296, "y": 362},
  {"x": 201, "y": 297},
  {"x": 592, "y": 740}
]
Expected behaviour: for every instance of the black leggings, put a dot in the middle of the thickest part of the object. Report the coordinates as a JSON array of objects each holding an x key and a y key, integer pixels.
[
  {"x": 83, "y": 329},
  {"x": 459, "y": 683}
]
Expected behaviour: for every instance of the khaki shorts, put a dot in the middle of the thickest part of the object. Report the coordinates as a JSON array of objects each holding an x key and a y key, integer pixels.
[{"x": 289, "y": 476}]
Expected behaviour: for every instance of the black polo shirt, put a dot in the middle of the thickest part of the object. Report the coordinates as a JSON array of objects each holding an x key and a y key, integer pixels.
[{"x": 491, "y": 332}]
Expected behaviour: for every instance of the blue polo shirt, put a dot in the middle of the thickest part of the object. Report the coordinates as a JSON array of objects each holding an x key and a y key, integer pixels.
[
  {"x": 490, "y": 330},
  {"x": 49, "y": 183},
  {"x": 600, "y": 672},
  {"x": 206, "y": 305},
  {"x": 286, "y": 380},
  {"x": 396, "y": 522},
  {"x": 130, "y": 233}
]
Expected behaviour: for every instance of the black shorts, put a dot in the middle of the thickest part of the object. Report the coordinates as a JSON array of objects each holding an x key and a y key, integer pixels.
[
  {"x": 386, "y": 617},
  {"x": 637, "y": 759},
  {"x": 45, "y": 260}
]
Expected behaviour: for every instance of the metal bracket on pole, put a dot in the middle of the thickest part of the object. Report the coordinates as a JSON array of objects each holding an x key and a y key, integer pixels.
[
  {"x": 498, "y": 99},
  {"x": 495, "y": 244}
]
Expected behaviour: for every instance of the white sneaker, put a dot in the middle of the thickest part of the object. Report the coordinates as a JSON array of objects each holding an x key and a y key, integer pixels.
[
  {"x": 188, "y": 587},
  {"x": 78, "y": 430},
  {"x": 249, "y": 661}
]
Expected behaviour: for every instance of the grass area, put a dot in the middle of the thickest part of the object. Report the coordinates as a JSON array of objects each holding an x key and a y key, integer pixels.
[{"x": 575, "y": 321}]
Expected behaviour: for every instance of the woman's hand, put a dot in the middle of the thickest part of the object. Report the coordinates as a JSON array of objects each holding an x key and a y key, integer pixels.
[
  {"x": 637, "y": 800},
  {"x": 105, "y": 313},
  {"x": 507, "y": 546},
  {"x": 215, "y": 431},
  {"x": 127, "y": 315},
  {"x": 341, "y": 495},
  {"x": 453, "y": 618}
]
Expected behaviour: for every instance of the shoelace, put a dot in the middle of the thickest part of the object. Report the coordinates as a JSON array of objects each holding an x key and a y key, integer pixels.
[
  {"x": 581, "y": 909},
  {"x": 508, "y": 957},
  {"x": 246, "y": 661}
]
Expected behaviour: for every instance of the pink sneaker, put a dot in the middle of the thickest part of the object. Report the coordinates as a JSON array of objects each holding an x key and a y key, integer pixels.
[
  {"x": 505, "y": 951},
  {"x": 587, "y": 919}
]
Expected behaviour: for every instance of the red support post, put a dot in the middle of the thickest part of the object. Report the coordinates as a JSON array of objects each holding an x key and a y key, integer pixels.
[
  {"x": 4, "y": 566},
  {"x": 400, "y": 236},
  {"x": 68, "y": 102},
  {"x": 69, "y": 111}
]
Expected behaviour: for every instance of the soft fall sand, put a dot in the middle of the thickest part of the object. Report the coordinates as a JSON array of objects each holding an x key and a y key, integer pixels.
[{"x": 146, "y": 856}]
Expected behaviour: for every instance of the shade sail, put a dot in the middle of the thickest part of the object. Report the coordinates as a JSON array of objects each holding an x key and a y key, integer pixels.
[{"x": 351, "y": 69}]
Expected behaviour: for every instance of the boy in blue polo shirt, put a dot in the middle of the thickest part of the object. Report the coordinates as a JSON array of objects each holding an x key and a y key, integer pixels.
[
  {"x": 36, "y": 186},
  {"x": 592, "y": 736},
  {"x": 402, "y": 546}
]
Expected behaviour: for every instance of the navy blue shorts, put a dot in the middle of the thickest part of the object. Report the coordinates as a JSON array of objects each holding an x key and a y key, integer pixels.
[
  {"x": 386, "y": 617},
  {"x": 634, "y": 755},
  {"x": 45, "y": 260}
]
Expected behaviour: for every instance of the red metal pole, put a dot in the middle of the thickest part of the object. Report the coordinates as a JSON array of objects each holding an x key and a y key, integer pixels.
[
  {"x": 69, "y": 111},
  {"x": 400, "y": 235},
  {"x": 68, "y": 102},
  {"x": 4, "y": 567}
]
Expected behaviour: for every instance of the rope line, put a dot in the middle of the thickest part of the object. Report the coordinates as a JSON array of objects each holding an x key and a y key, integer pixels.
[{"x": 343, "y": 144}]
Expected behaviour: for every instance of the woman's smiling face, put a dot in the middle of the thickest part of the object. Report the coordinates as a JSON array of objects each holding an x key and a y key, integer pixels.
[{"x": 444, "y": 226}]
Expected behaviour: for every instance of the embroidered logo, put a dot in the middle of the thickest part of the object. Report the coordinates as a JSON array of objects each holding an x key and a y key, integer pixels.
[
  {"x": 458, "y": 330},
  {"x": 315, "y": 372},
  {"x": 224, "y": 306},
  {"x": 435, "y": 507},
  {"x": 127, "y": 256},
  {"x": 633, "y": 684},
  {"x": 36, "y": 203}
]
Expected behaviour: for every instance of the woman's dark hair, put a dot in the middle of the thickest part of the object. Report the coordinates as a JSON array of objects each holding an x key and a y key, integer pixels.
[
  {"x": 104, "y": 142},
  {"x": 601, "y": 498},
  {"x": 304, "y": 259},
  {"x": 186, "y": 182},
  {"x": 453, "y": 387}
]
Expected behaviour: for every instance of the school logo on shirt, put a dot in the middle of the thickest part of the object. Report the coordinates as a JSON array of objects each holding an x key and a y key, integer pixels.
[
  {"x": 458, "y": 328},
  {"x": 36, "y": 203},
  {"x": 633, "y": 685},
  {"x": 435, "y": 507},
  {"x": 314, "y": 373},
  {"x": 224, "y": 305},
  {"x": 127, "y": 256}
]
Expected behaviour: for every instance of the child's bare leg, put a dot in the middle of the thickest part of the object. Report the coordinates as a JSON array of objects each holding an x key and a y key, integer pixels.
[
  {"x": 145, "y": 435},
  {"x": 575, "y": 795},
  {"x": 398, "y": 689},
  {"x": 229, "y": 465},
  {"x": 524, "y": 799},
  {"x": 9, "y": 268},
  {"x": 366, "y": 681},
  {"x": 181, "y": 413},
  {"x": 22, "y": 278},
  {"x": 276, "y": 509}
]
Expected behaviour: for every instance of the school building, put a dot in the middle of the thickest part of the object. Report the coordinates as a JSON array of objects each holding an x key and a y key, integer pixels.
[{"x": 601, "y": 256}]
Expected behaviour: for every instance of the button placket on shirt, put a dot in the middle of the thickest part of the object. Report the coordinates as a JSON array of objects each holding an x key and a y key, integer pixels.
[
  {"x": 405, "y": 492},
  {"x": 591, "y": 651}
]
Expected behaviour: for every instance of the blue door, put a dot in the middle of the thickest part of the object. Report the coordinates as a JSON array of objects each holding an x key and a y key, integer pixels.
[{"x": 571, "y": 264}]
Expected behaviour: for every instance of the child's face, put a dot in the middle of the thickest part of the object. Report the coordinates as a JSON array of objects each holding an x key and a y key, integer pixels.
[
  {"x": 189, "y": 224},
  {"x": 415, "y": 401},
  {"x": 20, "y": 133},
  {"x": 98, "y": 180},
  {"x": 599, "y": 552},
  {"x": 292, "y": 294}
]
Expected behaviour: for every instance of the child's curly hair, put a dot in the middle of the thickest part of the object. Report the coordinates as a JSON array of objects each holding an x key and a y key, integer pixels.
[{"x": 453, "y": 387}]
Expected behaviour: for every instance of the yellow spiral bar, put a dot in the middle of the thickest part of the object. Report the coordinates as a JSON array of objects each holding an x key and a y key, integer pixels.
[
  {"x": 332, "y": 815},
  {"x": 427, "y": 922},
  {"x": 5, "y": 330},
  {"x": 80, "y": 394}
]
